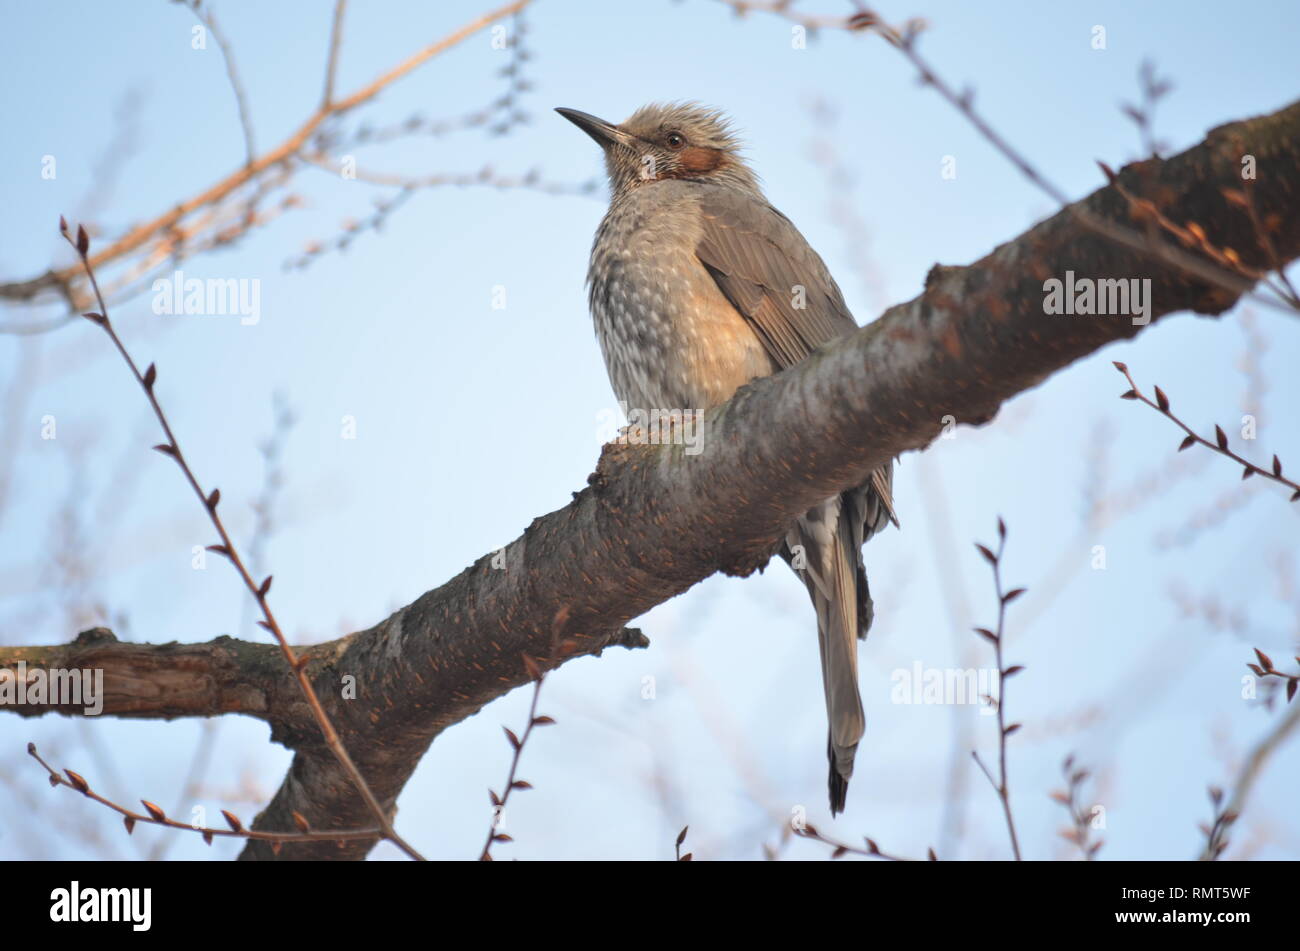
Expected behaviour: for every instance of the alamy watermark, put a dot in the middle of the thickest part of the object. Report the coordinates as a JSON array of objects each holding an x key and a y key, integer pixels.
[
  {"x": 75, "y": 903},
  {"x": 1086, "y": 297},
  {"x": 57, "y": 687},
  {"x": 653, "y": 427},
  {"x": 945, "y": 686},
  {"x": 209, "y": 297}
]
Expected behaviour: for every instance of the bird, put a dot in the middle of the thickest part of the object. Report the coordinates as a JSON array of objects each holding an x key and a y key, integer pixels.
[{"x": 698, "y": 285}]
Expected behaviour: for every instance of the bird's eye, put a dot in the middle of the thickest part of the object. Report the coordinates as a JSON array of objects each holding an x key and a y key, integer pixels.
[{"x": 675, "y": 140}]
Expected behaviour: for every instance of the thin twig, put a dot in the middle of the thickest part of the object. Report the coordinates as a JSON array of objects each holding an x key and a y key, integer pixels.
[
  {"x": 1080, "y": 832},
  {"x": 1246, "y": 198},
  {"x": 272, "y": 479},
  {"x": 1265, "y": 668},
  {"x": 1220, "y": 444},
  {"x": 156, "y": 816},
  {"x": 1001, "y": 785},
  {"x": 677, "y": 847},
  {"x": 228, "y": 56},
  {"x": 336, "y": 39},
  {"x": 869, "y": 849},
  {"x": 1153, "y": 89},
  {"x": 264, "y": 504},
  {"x": 1216, "y": 835},
  {"x": 486, "y": 176},
  {"x": 517, "y": 746}
]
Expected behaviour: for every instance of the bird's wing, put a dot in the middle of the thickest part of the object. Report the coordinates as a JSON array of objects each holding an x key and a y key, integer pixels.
[
  {"x": 763, "y": 265},
  {"x": 766, "y": 269}
]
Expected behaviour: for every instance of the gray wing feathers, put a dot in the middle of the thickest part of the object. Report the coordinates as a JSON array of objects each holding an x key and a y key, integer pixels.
[{"x": 767, "y": 270}]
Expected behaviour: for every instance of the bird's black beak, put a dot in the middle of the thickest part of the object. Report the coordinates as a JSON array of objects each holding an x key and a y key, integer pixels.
[{"x": 605, "y": 133}]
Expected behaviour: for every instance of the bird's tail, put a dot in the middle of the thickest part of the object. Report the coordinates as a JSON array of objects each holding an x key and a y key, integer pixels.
[
  {"x": 838, "y": 637},
  {"x": 828, "y": 538},
  {"x": 838, "y": 783}
]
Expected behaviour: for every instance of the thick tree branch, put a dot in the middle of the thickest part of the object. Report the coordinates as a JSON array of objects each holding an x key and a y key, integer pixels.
[
  {"x": 655, "y": 520},
  {"x": 167, "y": 681}
]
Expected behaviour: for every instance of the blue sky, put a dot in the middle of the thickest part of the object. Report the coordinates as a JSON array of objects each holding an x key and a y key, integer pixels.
[{"x": 472, "y": 420}]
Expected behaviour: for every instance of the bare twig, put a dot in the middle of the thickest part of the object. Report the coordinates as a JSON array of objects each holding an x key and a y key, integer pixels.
[
  {"x": 1192, "y": 235},
  {"x": 1220, "y": 444},
  {"x": 1216, "y": 833},
  {"x": 498, "y": 117},
  {"x": 486, "y": 176},
  {"x": 336, "y": 39},
  {"x": 869, "y": 848},
  {"x": 1080, "y": 832},
  {"x": 199, "y": 764},
  {"x": 204, "y": 14},
  {"x": 272, "y": 479},
  {"x": 1263, "y": 224},
  {"x": 154, "y": 815},
  {"x": 1224, "y": 816},
  {"x": 1265, "y": 668},
  {"x": 1153, "y": 89},
  {"x": 407, "y": 186},
  {"x": 681, "y": 838},
  {"x": 517, "y": 748},
  {"x": 1000, "y": 785}
]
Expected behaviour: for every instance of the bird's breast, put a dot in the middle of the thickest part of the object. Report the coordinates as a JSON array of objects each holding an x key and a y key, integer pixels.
[{"x": 670, "y": 338}]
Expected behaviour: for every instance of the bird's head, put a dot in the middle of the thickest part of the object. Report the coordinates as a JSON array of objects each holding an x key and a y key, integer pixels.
[{"x": 665, "y": 141}]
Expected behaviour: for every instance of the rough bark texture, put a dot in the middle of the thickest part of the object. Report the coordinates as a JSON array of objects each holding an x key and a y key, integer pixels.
[
  {"x": 653, "y": 520},
  {"x": 166, "y": 681}
]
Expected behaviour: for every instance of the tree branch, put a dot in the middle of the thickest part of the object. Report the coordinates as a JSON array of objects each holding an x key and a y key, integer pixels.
[{"x": 167, "y": 681}]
